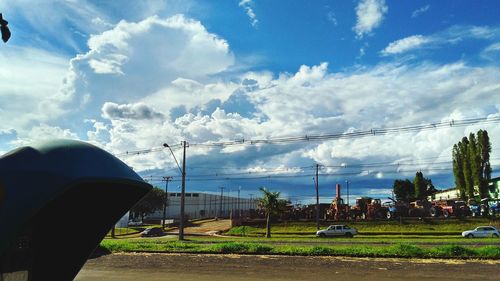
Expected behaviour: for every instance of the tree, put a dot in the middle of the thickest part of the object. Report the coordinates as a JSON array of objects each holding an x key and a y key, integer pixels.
[
  {"x": 429, "y": 187},
  {"x": 475, "y": 163},
  {"x": 403, "y": 190},
  {"x": 420, "y": 187},
  {"x": 469, "y": 183},
  {"x": 458, "y": 170},
  {"x": 471, "y": 165},
  {"x": 272, "y": 205},
  {"x": 150, "y": 203},
  {"x": 484, "y": 150}
]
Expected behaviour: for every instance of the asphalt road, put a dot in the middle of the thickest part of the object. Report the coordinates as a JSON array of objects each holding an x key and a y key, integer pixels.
[{"x": 152, "y": 267}]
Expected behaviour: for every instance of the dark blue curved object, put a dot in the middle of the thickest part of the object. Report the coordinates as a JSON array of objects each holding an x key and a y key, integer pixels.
[{"x": 57, "y": 202}]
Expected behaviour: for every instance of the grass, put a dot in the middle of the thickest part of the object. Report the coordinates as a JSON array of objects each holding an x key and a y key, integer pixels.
[
  {"x": 393, "y": 227},
  {"x": 405, "y": 250}
]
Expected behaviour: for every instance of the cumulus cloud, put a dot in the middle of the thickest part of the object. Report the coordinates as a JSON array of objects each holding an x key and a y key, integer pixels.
[
  {"x": 247, "y": 5},
  {"x": 136, "y": 59},
  {"x": 318, "y": 102},
  {"x": 405, "y": 44},
  {"x": 370, "y": 14},
  {"x": 420, "y": 11}
]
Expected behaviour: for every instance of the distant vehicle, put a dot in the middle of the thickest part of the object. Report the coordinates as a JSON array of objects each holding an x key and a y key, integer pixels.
[
  {"x": 481, "y": 231},
  {"x": 134, "y": 223},
  {"x": 337, "y": 230},
  {"x": 152, "y": 232}
]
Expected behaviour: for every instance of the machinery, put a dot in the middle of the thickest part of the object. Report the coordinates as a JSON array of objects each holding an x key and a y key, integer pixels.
[
  {"x": 338, "y": 209},
  {"x": 419, "y": 208},
  {"x": 448, "y": 208},
  {"x": 367, "y": 207},
  {"x": 396, "y": 208},
  {"x": 478, "y": 209}
]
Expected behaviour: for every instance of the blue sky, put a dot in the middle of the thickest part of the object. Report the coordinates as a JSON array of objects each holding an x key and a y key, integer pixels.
[{"x": 132, "y": 75}]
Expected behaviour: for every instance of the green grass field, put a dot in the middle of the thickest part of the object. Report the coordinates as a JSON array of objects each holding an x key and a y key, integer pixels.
[
  {"x": 410, "y": 238},
  {"x": 406, "y": 250},
  {"x": 394, "y": 227}
]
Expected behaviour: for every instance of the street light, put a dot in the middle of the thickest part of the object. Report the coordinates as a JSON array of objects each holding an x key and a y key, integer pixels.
[
  {"x": 183, "y": 191},
  {"x": 173, "y": 155}
]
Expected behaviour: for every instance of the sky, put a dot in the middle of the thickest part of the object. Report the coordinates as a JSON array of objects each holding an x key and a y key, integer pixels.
[{"x": 129, "y": 76}]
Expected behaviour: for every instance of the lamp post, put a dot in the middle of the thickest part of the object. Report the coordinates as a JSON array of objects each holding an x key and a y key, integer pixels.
[
  {"x": 183, "y": 191},
  {"x": 166, "y": 179}
]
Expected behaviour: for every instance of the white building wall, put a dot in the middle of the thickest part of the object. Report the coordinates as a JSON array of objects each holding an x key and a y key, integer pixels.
[{"x": 203, "y": 205}]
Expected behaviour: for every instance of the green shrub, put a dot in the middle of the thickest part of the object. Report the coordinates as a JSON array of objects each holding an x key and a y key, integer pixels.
[
  {"x": 230, "y": 247},
  {"x": 453, "y": 251},
  {"x": 260, "y": 249},
  {"x": 406, "y": 250},
  {"x": 321, "y": 251}
]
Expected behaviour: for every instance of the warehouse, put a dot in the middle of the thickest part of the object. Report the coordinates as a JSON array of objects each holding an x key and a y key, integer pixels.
[{"x": 205, "y": 205}]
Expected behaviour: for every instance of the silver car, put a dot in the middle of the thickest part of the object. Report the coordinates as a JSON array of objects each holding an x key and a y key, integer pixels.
[
  {"x": 481, "y": 231},
  {"x": 337, "y": 230}
]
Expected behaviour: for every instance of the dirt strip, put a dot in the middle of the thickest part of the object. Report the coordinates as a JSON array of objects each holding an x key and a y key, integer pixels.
[{"x": 151, "y": 267}]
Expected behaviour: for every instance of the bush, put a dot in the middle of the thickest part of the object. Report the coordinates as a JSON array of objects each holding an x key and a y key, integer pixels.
[
  {"x": 260, "y": 249},
  {"x": 453, "y": 251},
  {"x": 230, "y": 247},
  {"x": 406, "y": 250}
]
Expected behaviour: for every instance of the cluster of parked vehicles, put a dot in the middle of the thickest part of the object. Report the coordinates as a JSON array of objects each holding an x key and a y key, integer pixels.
[
  {"x": 342, "y": 230},
  {"x": 373, "y": 208}
]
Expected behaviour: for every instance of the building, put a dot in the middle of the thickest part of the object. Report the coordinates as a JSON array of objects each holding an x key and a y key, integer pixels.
[
  {"x": 454, "y": 194},
  {"x": 494, "y": 188},
  {"x": 204, "y": 205},
  {"x": 446, "y": 194}
]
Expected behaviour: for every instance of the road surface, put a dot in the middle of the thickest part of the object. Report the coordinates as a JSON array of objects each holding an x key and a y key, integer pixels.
[{"x": 202, "y": 267}]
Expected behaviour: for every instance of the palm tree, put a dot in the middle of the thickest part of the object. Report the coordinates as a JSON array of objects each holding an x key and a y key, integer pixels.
[{"x": 272, "y": 205}]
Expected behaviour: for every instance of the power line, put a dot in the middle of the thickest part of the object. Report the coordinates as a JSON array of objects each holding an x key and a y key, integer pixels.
[
  {"x": 331, "y": 136},
  {"x": 358, "y": 173}
]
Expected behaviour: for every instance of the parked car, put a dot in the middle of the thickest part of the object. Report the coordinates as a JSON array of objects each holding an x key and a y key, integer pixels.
[
  {"x": 134, "y": 223},
  {"x": 337, "y": 230},
  {"x": 153, "y": 231},
  {"x": 481, "y": 231}
]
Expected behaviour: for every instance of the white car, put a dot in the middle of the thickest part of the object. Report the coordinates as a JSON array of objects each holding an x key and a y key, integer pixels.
[
  {"x": 337, "y": 230},
  {"x": 481, "y": 231}
]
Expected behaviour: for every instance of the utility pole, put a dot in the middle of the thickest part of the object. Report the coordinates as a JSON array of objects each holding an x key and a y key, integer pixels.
[
  {"x": 250, "y": 203},
  {"x": 166, "y": 180},
  {"x": 183, "y": 191},
  {"x": 347, "y": 186},
  {"x": 239, "y": 209},
  {"x": 204, "y": 204},
  {"x": 221, "y": 194},
  {"x": 317, "y": 198}
]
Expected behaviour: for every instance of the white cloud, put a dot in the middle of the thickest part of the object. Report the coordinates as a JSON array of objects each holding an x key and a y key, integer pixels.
[
  {"x": 492, "y": 52},
  {"x": 420, "y": 11},
  {"x": 370, "y": 14},
  {"x": 330, "y": 16},
  {"x": 44, "y": 132},
  {"x": 135, "y": 60},
  {"x": 247, "y": 5},
  {"x": 28, "y": 78},
  {"x": 450, "y": 36},
  {"x": 405, "y": 44},
  {"x": 319, "y": 102}
]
